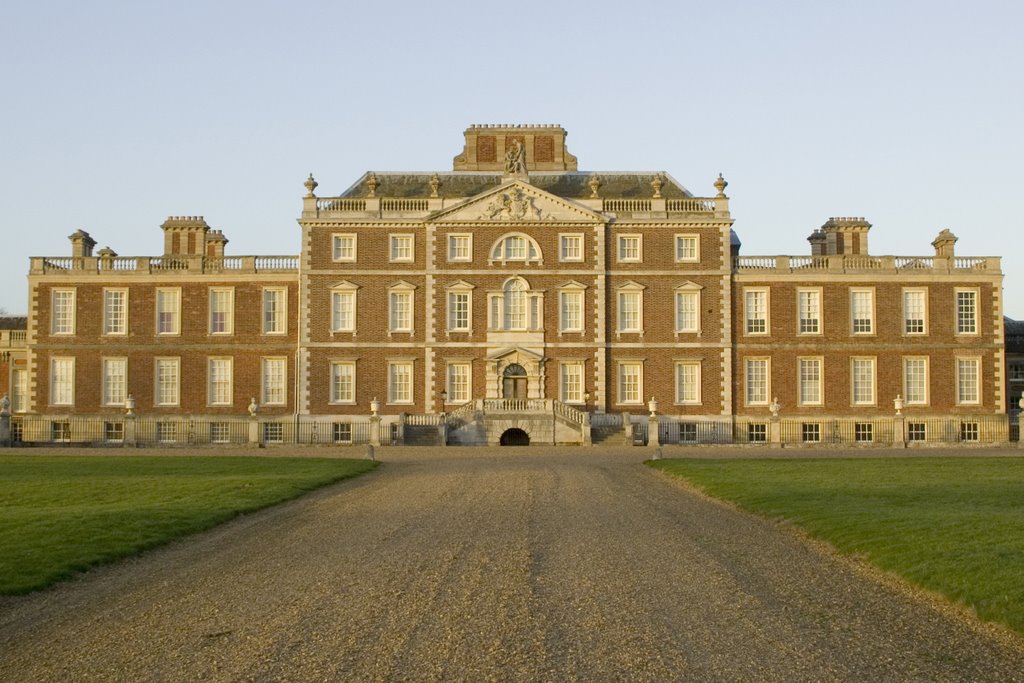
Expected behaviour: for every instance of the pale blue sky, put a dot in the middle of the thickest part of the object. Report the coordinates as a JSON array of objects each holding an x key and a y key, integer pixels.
[{"x": 118, "y": 114}]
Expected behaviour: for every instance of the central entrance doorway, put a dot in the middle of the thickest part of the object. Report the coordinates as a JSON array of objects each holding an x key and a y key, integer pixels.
[{"x": 514, "y": 383}]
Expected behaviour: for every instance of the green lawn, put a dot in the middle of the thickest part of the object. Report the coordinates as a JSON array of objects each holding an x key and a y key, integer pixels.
[
  {"x": 953, "y": 525},
  {"x": 63, "y": 514}
]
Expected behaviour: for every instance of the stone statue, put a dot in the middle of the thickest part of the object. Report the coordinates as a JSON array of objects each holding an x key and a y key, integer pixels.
[
  {"x": 5, "y": 405},
  {"x": 775, "y": 407},
  {"x": 253, "y": 407},
  {"x": 515, "y": 159}
]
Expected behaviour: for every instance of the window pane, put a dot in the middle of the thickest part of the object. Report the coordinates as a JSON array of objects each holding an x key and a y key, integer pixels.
[
  {"x": 757, "y": 312},
  {"x": 810, "y": 381},
  {"x": 863, "y": 381},
  {"x": 915, "y": 380},
  {"x": 115, "y": 371},
  {"x": 220, "y": 381},
  {"x": 343, "y": 382},
  {"x": 400, "y": 383},
  {"x": 572, "y": 383},
  {"x": 114, "y": 311},
  {"x": 966, "y": 313},
  {"x": 167, "y": 382},
  {"x": 458, "y": 382},
  {"x": 687, "y": 311},
  {"x": 629, "y": 382},
  {"x": 809, "y": 305},
  {"x": 274, "y": 371},
  {"x": 913, "y": 312},
  {"x": 862, "y": 307},
  {"x": 967, "y": 380},
  {"x": 757, "y": 381},
  {"x": 687, "y": 383},
  {"x": 571, "y": 318},
  {"x": 343, "y": 311}
]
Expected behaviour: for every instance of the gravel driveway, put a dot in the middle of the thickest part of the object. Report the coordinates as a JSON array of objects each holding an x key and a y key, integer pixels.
[{"x": 511, "y": 564}]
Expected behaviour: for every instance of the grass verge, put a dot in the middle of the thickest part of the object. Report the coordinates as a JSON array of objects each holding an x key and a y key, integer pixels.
[
  {"x": 952, "y": 525},
  {"x": 62, "y": 514}
]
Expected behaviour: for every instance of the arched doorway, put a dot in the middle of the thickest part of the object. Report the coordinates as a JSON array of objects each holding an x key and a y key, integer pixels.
[
  {"x": 514, "y": 382},
  {"x": 515, "y": 437}
]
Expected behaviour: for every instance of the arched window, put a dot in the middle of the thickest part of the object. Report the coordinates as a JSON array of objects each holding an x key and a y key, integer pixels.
[
  {"x": 516, "y": 247},
  {"x": 515, "y": 307}
]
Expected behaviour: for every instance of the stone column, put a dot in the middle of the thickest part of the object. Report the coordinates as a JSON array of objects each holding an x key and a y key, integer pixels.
[
  {"x": 653, "y": 432},
  {"x": 899, "y": 432},
  {"x": 254, "y": 431},
  {"x": 375, "y": 430},
  {"x": 627, "y": 428},
  {"x": 130, "y": 433},
  {"x": 775, "y": 431}
]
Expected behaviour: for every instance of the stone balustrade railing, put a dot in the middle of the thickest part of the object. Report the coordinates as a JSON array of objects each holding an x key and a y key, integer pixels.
[
  {"x": 388, "y": 207},
  {"x": 99, "y": 265},
  {"x": 857, "y": 263}
]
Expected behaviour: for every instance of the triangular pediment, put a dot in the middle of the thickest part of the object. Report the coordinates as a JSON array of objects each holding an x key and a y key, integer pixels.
[
  {"x": 516, "y": 202},
  {"x": 514, "y": 352}
]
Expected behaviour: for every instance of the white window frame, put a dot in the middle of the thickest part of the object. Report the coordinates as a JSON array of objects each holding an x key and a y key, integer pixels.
[
  {"x": 681, "y": 398},
  {"x": 962, "y": 362},
  {"x": 113, "y": 394},
  {"x": 500, "y": 250},
  {"x": 456, "y": 392},
  {"x": 175, "y": 297},
  {"x": 572, "y": 381},
  {"x": 337, "y": 240},
  {"x": 622, "y": 325},
  {"x": 341, "y": 292},
  {"x": 453, "y": 238},
  {"x": 158, "y": 396},
  {"x": 394, "y": 397},
  {"x": 229, "y": 315},
  {"x": 751, "y": 294},
  {"x": 62, "y": 387},
  {"x": 908, "y": 396},
  {"x": 396, "y": 293},
  {"x": 565, "y": 295},
  {"x": 395, "y": 247},
  {"x": 813, "y": 294},
  {"x": 564, "y": 241},
  {"x": 872, "y": 362},
  {"x": 454, "y": 293},
  {"x": 923, "y": 292},
  {"x": 749, "y": 396},
  {"x": 622, "y": 252},
  {"x": 621, "y": 376},
  {"x": 213, "y": 382},
  {"x": 267, "y": 398},
  {"x": 802, "y": 382},
  {"x": 975, "y": 318},
  {"x": 693, "y": 291},
  {"x": 870, "y": 292},
  {"x": 336, "y": 395},
  {"x": 679, "y": 241},
  {"x": 63, "y": 315},
  {"x": 115, "y": 325},
  {"x": 275, "y": 320}
]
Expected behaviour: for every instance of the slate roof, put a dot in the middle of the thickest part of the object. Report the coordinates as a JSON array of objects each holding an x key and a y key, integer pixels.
[
  {"x": 570, "y": 185},
  {"x": 1014, "y": 330},
  {"x": 13, "y": 322}
]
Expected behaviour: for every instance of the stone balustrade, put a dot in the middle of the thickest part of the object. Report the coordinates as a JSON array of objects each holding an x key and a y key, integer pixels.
[
  {"x": 99, "y": 265},
  {"x": 858, "y": 263}
]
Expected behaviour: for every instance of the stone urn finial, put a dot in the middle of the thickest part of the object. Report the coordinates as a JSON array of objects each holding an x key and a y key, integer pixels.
[
  {"x": 435, "y": 183},
  {"x": 594, "y": 184},
  {"x": 311, "y": 185},
  {"x": 129, "y": 405},
  {"x": 652, "y": 406},
  {"x": 374, "y": 407},
  {"x": 897, "y": 403},
  {"x": 371, "y": 185},
  {"x": 720, "y": 185},
  {"x": 657, "y": 183}
]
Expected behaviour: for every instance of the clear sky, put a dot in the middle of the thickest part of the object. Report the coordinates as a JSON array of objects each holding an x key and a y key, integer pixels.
[{"x": 115, "y": 115}]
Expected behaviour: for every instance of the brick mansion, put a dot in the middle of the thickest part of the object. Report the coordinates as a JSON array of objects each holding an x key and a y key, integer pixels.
[{"x": 514, "y": 299}]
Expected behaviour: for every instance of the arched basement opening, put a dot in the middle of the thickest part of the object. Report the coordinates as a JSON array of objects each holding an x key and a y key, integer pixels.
[{"x": 515, "y": 437}]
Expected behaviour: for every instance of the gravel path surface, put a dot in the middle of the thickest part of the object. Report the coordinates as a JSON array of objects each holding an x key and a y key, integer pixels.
[{"x": 469, "y": 564}]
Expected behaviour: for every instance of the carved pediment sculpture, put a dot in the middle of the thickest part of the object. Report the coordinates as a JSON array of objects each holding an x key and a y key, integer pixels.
[{"x": 514, "y": 205}]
